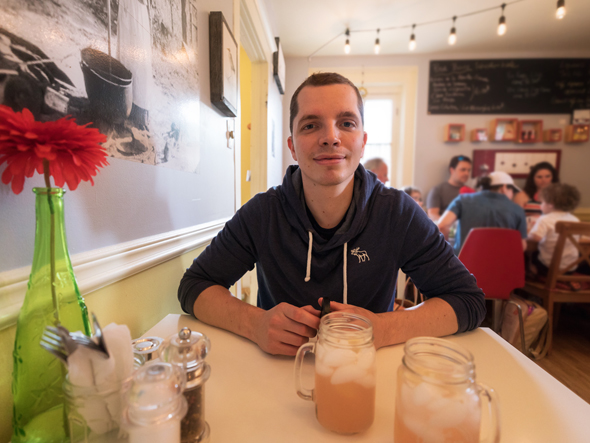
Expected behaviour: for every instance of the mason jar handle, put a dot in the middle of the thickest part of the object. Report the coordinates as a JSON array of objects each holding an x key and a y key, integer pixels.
[
  {"x": 305, "y": 394},
  {"x": 492, "y": 405}
]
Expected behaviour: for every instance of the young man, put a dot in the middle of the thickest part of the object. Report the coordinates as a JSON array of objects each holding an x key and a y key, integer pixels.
[
  {"x": 442, "y": 195},
  {"x": 331, "y": 229}
]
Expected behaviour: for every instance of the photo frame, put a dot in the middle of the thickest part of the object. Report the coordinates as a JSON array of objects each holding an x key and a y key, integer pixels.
[
  {"x": 223, "y": 65},
  {"x": 581, "y": 117},
  {"x": 278, "y": 63}
]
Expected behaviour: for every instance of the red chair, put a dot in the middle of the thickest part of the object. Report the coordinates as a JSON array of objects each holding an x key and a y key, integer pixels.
[{"x": 496, "y": 258}]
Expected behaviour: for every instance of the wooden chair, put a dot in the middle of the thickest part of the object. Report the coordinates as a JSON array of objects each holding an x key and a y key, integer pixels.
[
  {"x": 551, "y": 291},
  {"x": 496, "y": 259}
]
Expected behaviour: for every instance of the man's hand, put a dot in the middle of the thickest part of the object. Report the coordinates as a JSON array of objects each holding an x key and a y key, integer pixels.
[
  {"x": 284, "y": 328},
  {"x": 371, "y": 316},
  {"x": 433, "y": 318}
]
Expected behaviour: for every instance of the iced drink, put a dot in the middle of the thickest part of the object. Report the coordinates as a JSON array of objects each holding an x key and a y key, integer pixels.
[{"x": 345, "y": 388}]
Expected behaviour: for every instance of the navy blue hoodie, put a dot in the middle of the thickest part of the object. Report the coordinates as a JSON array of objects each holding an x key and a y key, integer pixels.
[{"x": 384, "y": 230}]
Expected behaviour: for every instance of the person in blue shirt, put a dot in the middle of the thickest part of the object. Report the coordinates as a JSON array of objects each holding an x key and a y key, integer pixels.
[{"x": 492, "y": 207}]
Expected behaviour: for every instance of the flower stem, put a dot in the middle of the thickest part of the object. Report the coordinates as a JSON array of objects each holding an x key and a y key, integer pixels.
[{"x": 51, "y": 242}]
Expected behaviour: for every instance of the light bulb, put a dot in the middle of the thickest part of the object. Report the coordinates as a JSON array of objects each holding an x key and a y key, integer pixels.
[
  {"x": 502, "y": 26},
  {"x": 560, "y": 13},
  {"x": 377, "y": 48},
  {"x": 412, "y": 42},
  {"x": 452, "y": 37},
  {"x": 412, "y": 39},
  {"x": 453, "y": 34},
  {"x": 347, "y": 47}
]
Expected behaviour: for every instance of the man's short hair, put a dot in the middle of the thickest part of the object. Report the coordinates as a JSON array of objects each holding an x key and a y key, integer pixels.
[
  {"x": 323, "y": 79},
  {"x": 373, "y": 164},
  {"x": 563, "y": 197},
  {"x": 458, "y": 158}
]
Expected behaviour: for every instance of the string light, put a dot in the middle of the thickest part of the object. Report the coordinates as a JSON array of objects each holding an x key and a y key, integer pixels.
[
  {"x": 377, "y": 48},
  {"x": 453, "y": 34},
  {"x": 502, "y": 23},
  {"x": 347, "y": 44},
  {"x": 560, "y": 13},
  {"x": 452, "y": 38},
  {"x": 413, "y": 39}
]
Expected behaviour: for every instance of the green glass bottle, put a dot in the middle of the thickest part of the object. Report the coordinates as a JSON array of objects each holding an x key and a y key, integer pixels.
[{"x": 52, "y": 298}]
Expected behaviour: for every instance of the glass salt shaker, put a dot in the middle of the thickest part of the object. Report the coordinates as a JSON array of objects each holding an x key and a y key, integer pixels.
[
  {"x": 188, "y": 350},
  {"x": 155, "y": 404}
]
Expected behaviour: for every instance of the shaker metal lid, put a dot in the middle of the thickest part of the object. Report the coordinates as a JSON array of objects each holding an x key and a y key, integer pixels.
[
  {"x": 149, "y": 347},
  {"x": 188, "y": 349}
]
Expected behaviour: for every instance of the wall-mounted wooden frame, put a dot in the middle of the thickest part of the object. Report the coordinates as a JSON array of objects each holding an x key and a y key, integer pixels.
[
  {"x": 552, "y": 135},
  {"x": 278, "y": 66},
  {"x": 223, "y": 65},
  {"x": 530, "y": 131},
  {"x": 516, "y": 162},
  {"x": 479, "y": 135},
  {"x": 503, "y": 129},
  {"x": 576, "y": 133},
  {"x": 454, "y": 132}
]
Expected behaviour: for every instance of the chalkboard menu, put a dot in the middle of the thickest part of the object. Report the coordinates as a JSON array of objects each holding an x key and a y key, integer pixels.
[{"x": 509, "y": 86}]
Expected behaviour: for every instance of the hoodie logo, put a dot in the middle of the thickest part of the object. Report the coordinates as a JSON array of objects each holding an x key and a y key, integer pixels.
[{"x": 361, "y": 255}]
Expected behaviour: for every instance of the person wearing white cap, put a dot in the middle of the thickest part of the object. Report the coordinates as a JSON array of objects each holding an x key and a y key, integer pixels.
[{"x": 491, "y": 207}]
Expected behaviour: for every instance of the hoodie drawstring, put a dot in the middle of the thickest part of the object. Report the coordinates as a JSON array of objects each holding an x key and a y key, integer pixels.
[
  {"x": 308, "y": 270},
  {"x": 345, "y": 290}
]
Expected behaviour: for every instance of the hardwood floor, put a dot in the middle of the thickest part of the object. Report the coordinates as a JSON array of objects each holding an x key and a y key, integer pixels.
[{"x": 569, "y": 361}]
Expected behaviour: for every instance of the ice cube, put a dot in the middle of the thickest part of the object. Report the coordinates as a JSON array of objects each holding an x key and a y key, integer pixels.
[
  {"x": 426, "y": 393},
  {"x": 366, "y": 358},
  {"x": 320, "y": 352},
  {"x": 339, "y": 357},
  {"x": 323, "y": 369},
  {"x": 348, "y": 374},
  {"x": 453, "y": 413}
]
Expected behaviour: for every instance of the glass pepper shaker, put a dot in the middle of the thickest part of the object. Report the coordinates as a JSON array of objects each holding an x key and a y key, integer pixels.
[
  {"x": 155, "y": 404},
  {"x": 188, "y": 349}
]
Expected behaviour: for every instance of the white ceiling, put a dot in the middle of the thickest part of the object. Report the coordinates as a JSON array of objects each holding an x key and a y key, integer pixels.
[{"x": 304, "y": 26}]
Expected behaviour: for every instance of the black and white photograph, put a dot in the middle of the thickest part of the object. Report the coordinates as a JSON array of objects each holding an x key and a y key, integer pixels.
[{"x": 128, "y": 67}]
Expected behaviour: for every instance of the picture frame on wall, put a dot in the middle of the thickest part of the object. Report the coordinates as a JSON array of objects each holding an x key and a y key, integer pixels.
[
  {"x": 278, "y": 62},
  {"x": 581, "y": 117},
  {"x": 223, "y": 65}
]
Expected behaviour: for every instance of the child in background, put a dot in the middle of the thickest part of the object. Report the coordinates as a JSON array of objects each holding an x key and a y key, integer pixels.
[
  {"x": 557, "y": 202},
  {"x": 415, "y": 193}
]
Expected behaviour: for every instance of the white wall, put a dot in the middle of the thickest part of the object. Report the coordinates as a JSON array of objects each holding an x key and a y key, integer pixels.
[{"x": 432, "y": 154}]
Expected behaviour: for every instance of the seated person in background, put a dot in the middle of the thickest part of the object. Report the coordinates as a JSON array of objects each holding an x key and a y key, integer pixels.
[
  {"x": 557, "y": 202},
  {"x": 542, "y": 175},
  {"x": 330, "y": 230},
  {"x": 415, "y": 193},
  {"x": 441, "y": 195},
  {"x": 378, "y": 167},
  {"x": 492, "y": 207}
]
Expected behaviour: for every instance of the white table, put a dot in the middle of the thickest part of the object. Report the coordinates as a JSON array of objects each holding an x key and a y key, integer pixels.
[{"x": 251, "y": 397}]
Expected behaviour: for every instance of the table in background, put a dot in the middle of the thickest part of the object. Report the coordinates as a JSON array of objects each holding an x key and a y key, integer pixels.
[{"x": 251, "y": 397}]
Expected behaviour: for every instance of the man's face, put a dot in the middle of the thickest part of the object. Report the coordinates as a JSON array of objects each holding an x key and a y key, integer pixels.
[
  {"x": 382, "y": 173},
  {"x": 460, "y": 174},
  {"x": 328, "y": 140}
]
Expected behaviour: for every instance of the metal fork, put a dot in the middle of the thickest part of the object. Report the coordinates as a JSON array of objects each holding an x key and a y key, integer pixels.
[
  {"x": 71, "y": 340},
  {"x": 98, "y": 334},
  {"x": 55, "y": 345}
]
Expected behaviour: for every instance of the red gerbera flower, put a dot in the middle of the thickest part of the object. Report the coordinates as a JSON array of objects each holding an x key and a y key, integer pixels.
[{"x": 73, "y": 151}]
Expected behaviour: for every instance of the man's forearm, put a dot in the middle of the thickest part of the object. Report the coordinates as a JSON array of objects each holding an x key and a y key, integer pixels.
[
  {"x": 433, "y": 318},
  {"x": 217, "y": 307}
]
